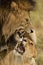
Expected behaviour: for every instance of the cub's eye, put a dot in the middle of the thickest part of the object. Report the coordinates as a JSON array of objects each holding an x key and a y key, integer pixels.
[
  {"x": 19, "y": 33},
  {"x": 31, "y": 43},
  {"x": 31, "y": 31},
  {"x": 26, "y": 19}
]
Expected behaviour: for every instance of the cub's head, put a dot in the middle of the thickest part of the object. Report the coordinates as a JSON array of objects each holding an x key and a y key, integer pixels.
[
  {"x": 22, "y": 44},
  {"x": 21, "y": 49}
]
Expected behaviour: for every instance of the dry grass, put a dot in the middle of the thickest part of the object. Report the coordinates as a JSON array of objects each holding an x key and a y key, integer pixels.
[{"x": 37, "y": 20}]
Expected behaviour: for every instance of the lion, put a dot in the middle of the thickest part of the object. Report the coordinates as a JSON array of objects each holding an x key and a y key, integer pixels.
[
  {"x": 18, "y": 11},
  {"x": 15, "y": 15}
]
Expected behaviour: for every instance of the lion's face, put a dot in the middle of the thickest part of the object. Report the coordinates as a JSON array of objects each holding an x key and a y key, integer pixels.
[{"x": 17, "y": 17}]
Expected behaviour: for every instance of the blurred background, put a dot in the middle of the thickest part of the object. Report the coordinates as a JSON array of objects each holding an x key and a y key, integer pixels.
[{"x": 37, "y": 20}]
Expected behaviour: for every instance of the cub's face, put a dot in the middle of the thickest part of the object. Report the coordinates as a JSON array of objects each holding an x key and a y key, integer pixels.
[
  {"x": 24, "y": 46},
  {"x": 25, "y": 52},
  {"x": 21, "y": 44}
]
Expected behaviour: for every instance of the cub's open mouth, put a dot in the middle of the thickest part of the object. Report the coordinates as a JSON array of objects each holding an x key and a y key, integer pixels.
[{"x": 20, "y": 49}]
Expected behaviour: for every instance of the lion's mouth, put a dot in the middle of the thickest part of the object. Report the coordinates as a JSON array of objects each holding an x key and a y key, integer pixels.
[{"x": 20, "y": 49}]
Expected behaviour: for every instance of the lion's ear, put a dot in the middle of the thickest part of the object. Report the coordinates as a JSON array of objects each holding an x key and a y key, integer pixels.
[{"x": 13, "y": 5}]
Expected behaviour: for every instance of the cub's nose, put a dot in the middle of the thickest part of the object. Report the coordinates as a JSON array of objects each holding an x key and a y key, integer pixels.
[{"x": 32, "y": 31}]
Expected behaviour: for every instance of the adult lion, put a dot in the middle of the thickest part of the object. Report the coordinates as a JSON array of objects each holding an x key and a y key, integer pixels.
[{"x": 15, "y": 14}]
